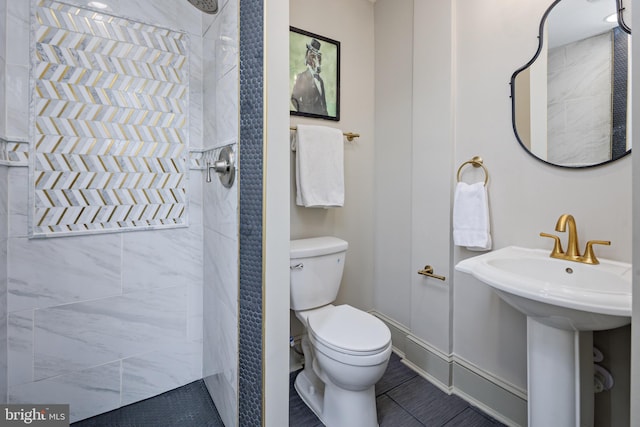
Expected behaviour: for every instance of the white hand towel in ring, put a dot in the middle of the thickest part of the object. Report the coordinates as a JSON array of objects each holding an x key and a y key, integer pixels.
[
  {"x": 471, "y": 217},
  {"x": 319, "y": 166}
]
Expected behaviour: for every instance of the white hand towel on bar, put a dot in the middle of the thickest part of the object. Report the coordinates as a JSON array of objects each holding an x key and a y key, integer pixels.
[
  {"x": 319, "y": 166},
  {"x": 471, "y": 217}
]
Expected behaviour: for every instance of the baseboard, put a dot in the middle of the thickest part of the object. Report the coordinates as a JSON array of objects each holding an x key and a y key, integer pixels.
[{"x": 455, "y": 375}]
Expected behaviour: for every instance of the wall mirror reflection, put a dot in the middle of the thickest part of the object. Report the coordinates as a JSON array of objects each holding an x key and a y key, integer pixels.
[{"x": 571, "y": 101}]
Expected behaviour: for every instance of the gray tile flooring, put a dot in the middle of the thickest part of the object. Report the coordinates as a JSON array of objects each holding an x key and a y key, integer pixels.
[{"x": 404, "y": 399}]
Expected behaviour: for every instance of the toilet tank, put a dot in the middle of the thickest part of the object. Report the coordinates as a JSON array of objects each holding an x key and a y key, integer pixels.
[{"x": 316, "y": 266}]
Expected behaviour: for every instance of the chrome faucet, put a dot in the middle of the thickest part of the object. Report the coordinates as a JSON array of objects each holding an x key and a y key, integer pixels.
[{"x": 573, "y": 253}]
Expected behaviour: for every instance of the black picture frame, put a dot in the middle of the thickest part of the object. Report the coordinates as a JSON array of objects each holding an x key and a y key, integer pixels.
[{"x": 314, "y": 94}]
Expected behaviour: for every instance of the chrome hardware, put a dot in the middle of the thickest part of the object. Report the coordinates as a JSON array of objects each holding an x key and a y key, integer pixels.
[
  {"x": 296, "y": 267},
  {"x": 428, "y": 271},
  {"x": 224, "y": 166}
]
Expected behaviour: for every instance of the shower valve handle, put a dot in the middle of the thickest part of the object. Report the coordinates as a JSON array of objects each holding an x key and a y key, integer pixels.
[{"x": 219, "y": 166}]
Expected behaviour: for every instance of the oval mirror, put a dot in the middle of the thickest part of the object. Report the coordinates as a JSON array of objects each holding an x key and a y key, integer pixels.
[{"x": 570, "y": 102}]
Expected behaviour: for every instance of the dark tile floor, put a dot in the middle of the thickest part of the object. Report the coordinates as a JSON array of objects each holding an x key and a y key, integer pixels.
[
  {"x": 404, "y": 399},
  {"x": 186, "y": 406}
]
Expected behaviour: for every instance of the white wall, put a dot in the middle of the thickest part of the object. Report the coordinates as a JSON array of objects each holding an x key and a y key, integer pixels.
[
  {"x": 350, "y": 23},
  {"x": 492, "y": 42},
  {"x": 393, "y": 144},
  {"x": 277, "y": 223},
  {"x": 442, "y": 96}
]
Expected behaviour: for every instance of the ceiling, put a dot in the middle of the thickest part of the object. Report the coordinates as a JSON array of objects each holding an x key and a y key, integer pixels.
[{"x": 572, "y": 20}]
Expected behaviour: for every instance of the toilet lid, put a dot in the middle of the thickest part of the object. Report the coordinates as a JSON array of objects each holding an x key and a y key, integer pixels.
[{"x": 345, "y": 327}]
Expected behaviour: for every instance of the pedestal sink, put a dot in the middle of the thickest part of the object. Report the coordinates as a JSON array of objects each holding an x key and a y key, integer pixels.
[{"x": 564, "y": 302}]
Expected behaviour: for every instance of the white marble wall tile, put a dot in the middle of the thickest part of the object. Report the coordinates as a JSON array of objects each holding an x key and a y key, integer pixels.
[
  {"x": 3, "y": 99},
  {"x": 221, "y": 269},
  {"x": 3, "y": 280},
  {"x": 590, "y": 150},
  {"x": 163, "y": 13},
  {"x": 556, "y": 118},
  {"x": 224, "y": 394},
  {"x": 4, "y": 200},
  {"x": 88, "y": 392},
  {"x": 589, "y": 51},
  {"x": 196, "y": 182},
  {"x": 17, "y": 91},
  {"x": 220, "y": 209},
  {"x": 18, "y": 187},
  {"x": 220, "y": 347},
  {"x": 221, "y": 341},
  {"x": 208, "y": 20},
  {"x": 111, "y": 5},
  {"x": 76, "y": 336},
  {"x": 18, "y": 15},
  {"x": 226, "y": 53},
  {"x": 3, "y": 30},
  {"x": 209, "y": 82},
  {"x": 4, "y": 362},
  {"x": 593, "y": 112},
  {"x": 20, "y": 347},
  {"x": 154, "y": 373},
  {"x": 579, "y": 102},
  {"x": 188, "y": 18},
  {"x": 578, "y": 81},
  {"x": 227, "y": 108},
  {"x": 194, "y": 312},
  {"x": 48, "y": 272},
  {"x": 162, "y": 258}
]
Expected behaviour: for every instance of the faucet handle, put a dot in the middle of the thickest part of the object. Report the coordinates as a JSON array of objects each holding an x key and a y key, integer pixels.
[
  {"x": 557, "y": 245},
  {"x": 589, "y": 256}
]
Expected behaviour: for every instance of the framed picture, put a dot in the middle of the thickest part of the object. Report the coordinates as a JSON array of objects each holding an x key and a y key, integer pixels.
[{"x": 314, "y": 75}]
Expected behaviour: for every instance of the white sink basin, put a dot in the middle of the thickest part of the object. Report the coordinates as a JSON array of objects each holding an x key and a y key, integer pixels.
[
  {"x": 558, "y": 293},
  {"x": 564, "y": 301}
]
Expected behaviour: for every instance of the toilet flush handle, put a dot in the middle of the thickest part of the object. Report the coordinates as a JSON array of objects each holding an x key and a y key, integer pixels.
[{"x": 296, "y": 267}]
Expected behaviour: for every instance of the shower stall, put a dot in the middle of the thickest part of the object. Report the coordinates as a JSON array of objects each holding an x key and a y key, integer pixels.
[{"x": 119, "y": 275}]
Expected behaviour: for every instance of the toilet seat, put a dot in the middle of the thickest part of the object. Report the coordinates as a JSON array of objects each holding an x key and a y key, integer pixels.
[{"x": 345, "y": 332}]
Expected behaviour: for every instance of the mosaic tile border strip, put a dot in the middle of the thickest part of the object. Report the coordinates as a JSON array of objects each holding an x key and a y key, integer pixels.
[
  {"x": 200, "y": 157},
  {"x": 110, "y": 123},
  {"x": 16, "y": 153},
  {"x": 250, "y": 155}
]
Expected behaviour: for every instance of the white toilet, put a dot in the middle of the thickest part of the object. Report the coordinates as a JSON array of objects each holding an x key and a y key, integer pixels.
[{"x": 346, "y": 350}]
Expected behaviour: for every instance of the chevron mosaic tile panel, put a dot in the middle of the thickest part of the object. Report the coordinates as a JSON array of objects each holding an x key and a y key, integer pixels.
[{"x": 110, "y": 123}]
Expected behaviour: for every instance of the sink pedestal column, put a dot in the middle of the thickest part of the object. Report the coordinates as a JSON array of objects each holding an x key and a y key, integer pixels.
[{"x": 560, "y": 384}]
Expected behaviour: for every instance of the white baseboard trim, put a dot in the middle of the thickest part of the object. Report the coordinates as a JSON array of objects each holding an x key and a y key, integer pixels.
[{"x": 455, "y": 375}]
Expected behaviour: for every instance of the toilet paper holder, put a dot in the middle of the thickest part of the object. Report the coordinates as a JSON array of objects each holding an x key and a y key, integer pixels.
[{"x": 428, "y": 271}]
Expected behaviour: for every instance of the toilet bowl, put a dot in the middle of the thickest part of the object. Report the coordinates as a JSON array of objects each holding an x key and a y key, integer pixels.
[{"x": 346, "y": 350}]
